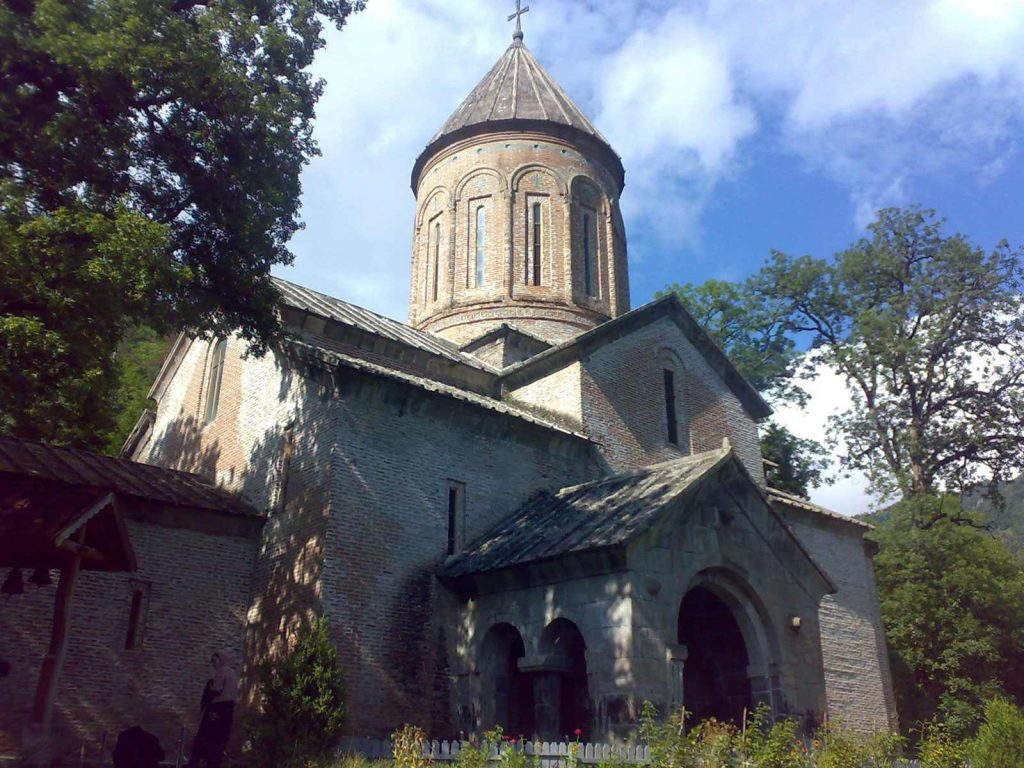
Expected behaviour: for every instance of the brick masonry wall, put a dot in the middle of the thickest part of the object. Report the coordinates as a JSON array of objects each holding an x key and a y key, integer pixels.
[
  {"x": 857, "y": 676},
  {"x": 558, "y": 395},
  {"x": 505, "y": 174},
  {"x": 395, "y": 451},
  {"x": 617, "y": 394},
  {"x": 265, "y": 404},
  {"x": 192, "y": 610}
]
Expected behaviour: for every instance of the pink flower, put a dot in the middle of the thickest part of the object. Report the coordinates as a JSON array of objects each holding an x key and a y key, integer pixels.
[{"x": 578, "y": 732}]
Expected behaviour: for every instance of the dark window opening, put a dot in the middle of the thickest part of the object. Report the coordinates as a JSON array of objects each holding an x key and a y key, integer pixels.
[
  {"x": 437, "y": 258},
  {"x": 136, "y": 616},
  {"x": 670, "y": 407},
  {"x": 588, "y": 278},
  {"x": 456, "y": 496},
  {"x": 214, "y": 381},
  {"x": 537, "y": 244}
]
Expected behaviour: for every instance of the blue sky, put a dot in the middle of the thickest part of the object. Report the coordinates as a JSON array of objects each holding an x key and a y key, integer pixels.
[{"x": 743, "y": 125}]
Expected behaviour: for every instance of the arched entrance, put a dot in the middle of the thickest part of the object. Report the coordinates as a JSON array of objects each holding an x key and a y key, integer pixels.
[
  {"x": 560, "y": 690},
  {"x": 715, "y": 678},
  {"x": 507, "y": 693}
]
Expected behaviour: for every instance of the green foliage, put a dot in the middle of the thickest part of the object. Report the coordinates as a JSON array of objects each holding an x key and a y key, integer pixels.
[
  {"x": 937, "y": 748},
  {"x": 1000, "y": 740},
  {"x": 799, "y": 462},
  {"x": 407, "y": 747},
  {"x": 951, "y": 598},
  {"x": 138, "y": 360},
  {"x": 928, "y": 331},
  {"x": 150, "y": 153},
  {"x": 474, "y": 754},
  {"x": 836, "y": 747},
  {"x": 750, "y": 328},
  {"x": 70, "y": 280},
  {"x": 301, "y": 703}
]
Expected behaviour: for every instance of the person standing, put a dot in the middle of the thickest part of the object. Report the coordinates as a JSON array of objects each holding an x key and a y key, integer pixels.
[{"x": 218, "y": 705}]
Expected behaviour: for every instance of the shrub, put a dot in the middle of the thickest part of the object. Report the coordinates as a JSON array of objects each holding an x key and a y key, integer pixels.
[
  {"x": 834, "y": 746},
  {"x": 938, "y": 748},
  {"x": 301, "y": 703},
  {"x": 407, "y": 747},
  {"x": 1000, "y": 740},
  {"x": 669, "y": 744}
]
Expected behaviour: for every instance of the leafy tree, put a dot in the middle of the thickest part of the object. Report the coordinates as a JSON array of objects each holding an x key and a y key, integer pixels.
[
  {"x": 301, "y": 702},
  {"x": 928, "y": 331},
  {"x": 751, "y": 328},
  {"x": 952, "y": 598},
  {"x": 138, "y": 360},
  {"x": 799, "y": 463},
  {"x": 150, "y": 153}
]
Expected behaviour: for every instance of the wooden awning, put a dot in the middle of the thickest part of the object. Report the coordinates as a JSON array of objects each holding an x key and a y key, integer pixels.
[{"x": 42, "y": 522}]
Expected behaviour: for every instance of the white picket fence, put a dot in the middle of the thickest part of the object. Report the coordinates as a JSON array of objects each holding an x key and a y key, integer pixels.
[{"x": 549, "y": 754}]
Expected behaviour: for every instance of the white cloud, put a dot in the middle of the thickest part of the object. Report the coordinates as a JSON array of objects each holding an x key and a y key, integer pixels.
[{"x": 829, "y": 395}]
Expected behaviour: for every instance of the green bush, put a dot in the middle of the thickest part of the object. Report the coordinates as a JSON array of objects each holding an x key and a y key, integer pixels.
[
  {"x": 1000, "y": 740},
  {"x": 939, "y": 748},
  {"x": 301, "y": 703},
  {"x": 407, "y": 747}
]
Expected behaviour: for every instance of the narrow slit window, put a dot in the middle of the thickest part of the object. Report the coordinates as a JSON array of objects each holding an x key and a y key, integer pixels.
[
  {"x": 536, "y": 243},
  {"x": 456, "y": 502},
  {"x": 137, "y": 616},
  {"x": 214, "y": 379},
  {"x": 670, "y": 407},
  {"x": 437, "y": 259},
  {"x": 481, "y": 232},
  {"x": 588, "y": 277}
]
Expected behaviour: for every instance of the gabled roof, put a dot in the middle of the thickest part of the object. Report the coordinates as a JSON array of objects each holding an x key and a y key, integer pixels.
[
  {"x": 84, "y": 469},
  {"x": 585, "y": 517},
  {"x": 668, "y": 306},
  {"x": 357, "y": 317},
  {"x": 788, "y": 499},
  {"x": 327, "y": 357},
  {"x": 517, "y": 87}
]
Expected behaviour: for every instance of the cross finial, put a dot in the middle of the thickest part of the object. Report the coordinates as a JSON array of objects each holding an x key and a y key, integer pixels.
[{"x": 518, "y": 34}]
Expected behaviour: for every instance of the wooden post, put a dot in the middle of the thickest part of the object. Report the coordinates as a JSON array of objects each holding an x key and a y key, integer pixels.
[{"x": 53, "y": 663}]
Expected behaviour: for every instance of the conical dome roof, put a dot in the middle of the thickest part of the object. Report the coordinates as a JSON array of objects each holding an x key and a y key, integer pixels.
[
  {"x": 517, "y": 88},
  {"x": 519, "y": 94}
]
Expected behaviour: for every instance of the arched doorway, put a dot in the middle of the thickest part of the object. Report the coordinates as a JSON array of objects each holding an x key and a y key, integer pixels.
[
  {"x": 507, "y": 693},
  {"x": 715, "y": 678},
  {"x": 561, "y": 693}
]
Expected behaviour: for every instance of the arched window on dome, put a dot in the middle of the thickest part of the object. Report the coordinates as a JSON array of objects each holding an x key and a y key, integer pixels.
[
  {"x": 435, "y": 277},
  {"x": 481, "y": 243},
  {"x": 589, "y": 262},
  {"x": 535, "y": 241}
]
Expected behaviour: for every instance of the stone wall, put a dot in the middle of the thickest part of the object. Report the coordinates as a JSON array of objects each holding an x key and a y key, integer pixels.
[
  {"x": 857, "y": 676},
  {"x": 396, "y": 452},
  {"x": 195, "y": 587}
]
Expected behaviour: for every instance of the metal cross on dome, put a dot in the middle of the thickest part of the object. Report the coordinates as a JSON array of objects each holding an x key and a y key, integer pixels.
[{"x": 518, "y": 34}]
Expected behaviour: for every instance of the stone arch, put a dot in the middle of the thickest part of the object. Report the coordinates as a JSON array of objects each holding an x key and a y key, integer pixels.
[
  {"x": 506, "y": 693},
  {"x": 432, "y": 248},
  {"x": 675, "y": 402},
  {"x": 493, "y": 226},
  {"x": 589, "y": 236},
  {"x": 560, "y": 685},
  {"x": 538, "y": 263},
  {"x": 733, "y": 631},
  {"x": 498, "y": 177}
]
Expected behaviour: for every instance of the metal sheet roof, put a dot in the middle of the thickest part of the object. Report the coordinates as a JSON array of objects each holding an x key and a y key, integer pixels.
[
  {"x": 71, "y": 466},
  {"x": 349, "y": 314},
  {"x": 517, "y": 88},
  {"x": 584, "y": 517}
]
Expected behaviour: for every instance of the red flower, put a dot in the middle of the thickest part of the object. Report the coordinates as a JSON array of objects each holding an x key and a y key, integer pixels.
[{"x": 578, "y": 732}]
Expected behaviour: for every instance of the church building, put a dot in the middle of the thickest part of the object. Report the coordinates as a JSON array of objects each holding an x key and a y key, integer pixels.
[{"x": 531, "y": 505}]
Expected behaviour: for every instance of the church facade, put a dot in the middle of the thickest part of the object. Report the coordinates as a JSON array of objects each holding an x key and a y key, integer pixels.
[{"x": 531, "y": 505}]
